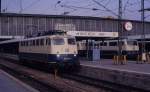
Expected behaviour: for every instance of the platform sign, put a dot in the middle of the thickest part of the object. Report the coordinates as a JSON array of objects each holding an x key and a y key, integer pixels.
[
  {"x": 92, "y": 34},
  {"x": 65, "y": 27}
]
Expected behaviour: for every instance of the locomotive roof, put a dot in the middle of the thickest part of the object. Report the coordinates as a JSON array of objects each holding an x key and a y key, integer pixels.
[
  {"x": 10, "y": 41},
  {"x": 47, "y": 36},
  {"x": 120, "y": 40}
]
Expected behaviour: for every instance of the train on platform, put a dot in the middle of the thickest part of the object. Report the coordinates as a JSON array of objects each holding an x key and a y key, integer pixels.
[
  {"x": 50, "y": 50},
  {"x": 109, "y": 48}
]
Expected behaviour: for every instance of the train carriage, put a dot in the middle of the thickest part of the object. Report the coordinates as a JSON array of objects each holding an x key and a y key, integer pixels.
[{"x": 109, "y": 48}]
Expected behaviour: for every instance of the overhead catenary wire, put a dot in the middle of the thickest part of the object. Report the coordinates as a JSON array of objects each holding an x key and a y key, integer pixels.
[
  {"x": 57, "y": 3},
  {"x": 20, "y": 6},
  {"x": 33, "y": 3},
  {"x": 147, "y": 16},
  {"x": 147, "y": 1},
  {"x": 105, "y": 7},
  {"x": 73, "y": 7},
  {"x": 7, "y": 6},
  {"x": 125, "y": 6},
  {"x": 130, "y": 6},
  {"x": 107, "y": 3}
]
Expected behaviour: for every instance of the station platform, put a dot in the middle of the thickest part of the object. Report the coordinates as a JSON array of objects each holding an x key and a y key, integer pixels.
[
  {"x": 131, "y": 74},
  {"x": 10, "y": 84},
  {"x": 131, "y": 66}
]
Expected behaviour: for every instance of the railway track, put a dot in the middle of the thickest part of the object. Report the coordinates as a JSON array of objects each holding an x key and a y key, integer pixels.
[
  {"x": 48, "y": 80},
  {"x": 29, "y": 81},
  {"x": 113, "y": 87},
  {"x": 77, "y": 83}
]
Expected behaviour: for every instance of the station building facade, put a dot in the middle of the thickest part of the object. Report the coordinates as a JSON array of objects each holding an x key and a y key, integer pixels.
[{"x": 28, "y": 24}]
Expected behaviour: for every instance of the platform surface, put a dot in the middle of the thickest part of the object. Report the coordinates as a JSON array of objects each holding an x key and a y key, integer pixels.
[
  {"x": 10, "y": 84},
  {"x": 131, "y": 66}
]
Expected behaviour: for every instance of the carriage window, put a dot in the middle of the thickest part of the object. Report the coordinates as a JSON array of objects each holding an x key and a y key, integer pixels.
[
  {"x": 71, "y": 41},
  {"x": 21, "y": 43},
  {"x": 48, "y": 41},
  {"x": 58, "y": 41},
  {"x": 26, "y": 43},
  {"x": 31, "y": 43},
  {"x": 37, "y": 42},
  {"x": 34, "y": 42},
  {"x": 135, "y": 43},
  {"x": 113, "y": 44},
  {"x": 41, "y": 41},
  {"x": 103, "y": 44}
]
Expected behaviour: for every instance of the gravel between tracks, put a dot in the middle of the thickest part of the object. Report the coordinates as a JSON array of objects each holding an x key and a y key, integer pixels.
[{"x": 61, "y": 84}]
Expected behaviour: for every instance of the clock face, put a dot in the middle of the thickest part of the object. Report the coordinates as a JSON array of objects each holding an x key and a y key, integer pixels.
[{"x": 128, "y": 26}]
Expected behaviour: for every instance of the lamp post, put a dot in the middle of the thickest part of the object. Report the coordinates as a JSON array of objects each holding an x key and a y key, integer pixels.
[
  {"x": 0, "y": 6},
  {"x": 143, "y": 51},
  {"x": 120, "y": 28},
  {"x": 143, "y": 31}
]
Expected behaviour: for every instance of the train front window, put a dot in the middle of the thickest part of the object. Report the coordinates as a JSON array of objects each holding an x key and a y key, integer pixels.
[
  {"x": 58, "y": 41},
  {"x": 132, "y": 43},
  {"x": 71, "y": 41}
]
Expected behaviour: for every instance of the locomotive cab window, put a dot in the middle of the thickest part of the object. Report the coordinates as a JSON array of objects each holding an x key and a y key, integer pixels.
[
  {"x": 71, "y": 41},
  {"x": 58, "y": 41},
  {"x": 113, "y": 44},
  {"x": 130, "y": 43}
]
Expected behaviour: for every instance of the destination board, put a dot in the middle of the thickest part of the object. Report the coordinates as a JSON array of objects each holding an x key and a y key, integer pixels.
[{"x": 92, "y": 34}]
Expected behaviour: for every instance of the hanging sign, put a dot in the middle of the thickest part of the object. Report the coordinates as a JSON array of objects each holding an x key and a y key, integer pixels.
[{"x": 92, "y": 34}]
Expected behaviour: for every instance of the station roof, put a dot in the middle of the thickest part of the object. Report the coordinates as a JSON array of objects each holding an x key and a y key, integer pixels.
[
  {"x": 4, "y": 38},
  {"x": 62, "y": 16},
  {"x": 10, "y": 37},
  {"x": 10, "y": 41}
]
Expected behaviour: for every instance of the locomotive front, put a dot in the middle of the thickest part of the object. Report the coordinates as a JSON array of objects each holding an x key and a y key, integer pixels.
[{"x": 64, "y": 51}]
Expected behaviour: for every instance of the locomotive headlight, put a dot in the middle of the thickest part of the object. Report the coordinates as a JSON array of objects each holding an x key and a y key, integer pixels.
[
  {"x": 58, "y": 55},
  {"x": 75, "y": 53}
]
